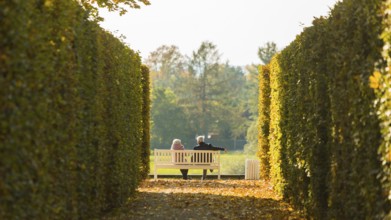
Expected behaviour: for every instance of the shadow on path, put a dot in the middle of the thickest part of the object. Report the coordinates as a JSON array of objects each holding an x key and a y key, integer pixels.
[{"x": 223, "y": 199}]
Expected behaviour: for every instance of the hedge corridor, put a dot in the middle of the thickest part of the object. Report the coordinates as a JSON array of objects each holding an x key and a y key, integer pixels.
[
  {"x": 74, "y": 113},
  {"x": 329, "y": 115}
]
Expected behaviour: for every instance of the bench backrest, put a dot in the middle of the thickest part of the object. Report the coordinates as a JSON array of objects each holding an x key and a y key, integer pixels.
[{"x": 196, "y": 157}]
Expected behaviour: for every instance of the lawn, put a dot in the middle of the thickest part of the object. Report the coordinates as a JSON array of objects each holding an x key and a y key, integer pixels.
[{"x": 231, "y": 163}]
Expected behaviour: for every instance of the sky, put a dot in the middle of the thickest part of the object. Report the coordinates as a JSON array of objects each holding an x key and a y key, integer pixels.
[{"x": 237, "y": 28}]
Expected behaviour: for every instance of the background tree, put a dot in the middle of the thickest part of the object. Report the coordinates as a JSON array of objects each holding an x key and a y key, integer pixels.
[
  {"x": 166, "y": 64},
  {"x": 203, "y": 67},
  {"x": 251, "y": 105},
  {"x": 169, "y": 119},
  {"x": 209, "y": 97},
  {"x": 229, "y": 92},
  {"x": 266, "y": 52}
]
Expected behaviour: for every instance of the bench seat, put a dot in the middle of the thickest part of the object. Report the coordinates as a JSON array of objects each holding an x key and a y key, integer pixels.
[{"x": 186, "y": 159}]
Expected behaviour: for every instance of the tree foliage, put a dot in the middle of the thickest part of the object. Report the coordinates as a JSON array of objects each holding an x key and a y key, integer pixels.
[
  {"x": 112, "y": 5},
  {"x": 166, "y": 64},
  {"x": 204, "y": 69},
  {"x": 169, "y": 119},
  {"x": 266, "y": 52},
  {"x": 208, "y": 95}
]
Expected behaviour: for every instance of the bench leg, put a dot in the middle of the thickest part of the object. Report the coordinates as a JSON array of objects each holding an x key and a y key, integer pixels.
[
  {"x": 155, "y": 174},
  {"x": 218, "y": 174}
]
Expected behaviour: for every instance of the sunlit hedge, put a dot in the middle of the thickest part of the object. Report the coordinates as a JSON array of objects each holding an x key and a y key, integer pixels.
[
  {"x": 264, "y": 121},
  {"x": 381, "y": 81},
  {"x": 324, "y": 129},
  {"x": 71, "y": 113},
  {"x": 275, "y": 133}
]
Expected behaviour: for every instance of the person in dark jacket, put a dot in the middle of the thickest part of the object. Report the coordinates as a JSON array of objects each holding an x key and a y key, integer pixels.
[{"x": 204, "y": 146}]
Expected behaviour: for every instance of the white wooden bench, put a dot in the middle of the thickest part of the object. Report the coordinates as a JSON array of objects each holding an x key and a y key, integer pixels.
[{"x": 186, "y": 159}]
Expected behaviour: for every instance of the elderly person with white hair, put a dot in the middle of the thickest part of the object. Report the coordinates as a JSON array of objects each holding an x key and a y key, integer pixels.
[
  {"x": 177, "y": 145},
  {"x": 204, "y": 146}
]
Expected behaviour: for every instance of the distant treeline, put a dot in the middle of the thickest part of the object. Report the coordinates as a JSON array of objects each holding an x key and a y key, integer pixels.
[
  {"x": 200, "y": 95},
  {"x": 324, "y": 138},
  {"x": 74, "y": 136}
]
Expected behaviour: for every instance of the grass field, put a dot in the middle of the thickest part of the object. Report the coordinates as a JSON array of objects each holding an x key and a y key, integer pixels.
[{"x": 231, "y": 163}]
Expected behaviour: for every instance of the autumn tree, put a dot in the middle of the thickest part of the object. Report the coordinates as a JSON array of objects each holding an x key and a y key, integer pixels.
[{"x": 166, "y": 64}]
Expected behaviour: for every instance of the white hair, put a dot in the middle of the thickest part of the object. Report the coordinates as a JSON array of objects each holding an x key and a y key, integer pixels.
[
  {"x": 200, "y": 139},
  {"x": 176, "y": 141}
]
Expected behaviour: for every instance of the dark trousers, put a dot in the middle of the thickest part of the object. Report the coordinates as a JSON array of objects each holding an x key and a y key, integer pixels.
[
  {"x": 204, "y": 174},
  {"x": 184, "y": 173}
]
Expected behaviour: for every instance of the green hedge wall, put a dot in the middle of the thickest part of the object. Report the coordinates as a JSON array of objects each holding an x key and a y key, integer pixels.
[
  {"x": 264, "y": 121},
  {"x": 145, "y": 146},
  {"x": 324, "y": 129},
  {"x": 276, "y": 153},
  {"x": 71, "y": 113},
  {"x": 381, "y": 81}
]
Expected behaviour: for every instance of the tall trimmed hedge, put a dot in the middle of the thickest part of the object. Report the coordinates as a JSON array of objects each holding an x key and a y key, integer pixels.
[
  {"x": 275, "y": 133},
  {"x": 264, "y": 121},
  {"x": 324, "y": 129},
  {"x": 381, "y": 82},
  {"x": 145, "y": 146},
  {"x": 71, "y": 113}
]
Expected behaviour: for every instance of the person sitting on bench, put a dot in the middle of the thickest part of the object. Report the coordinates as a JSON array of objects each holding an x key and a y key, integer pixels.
[
  {"x": 204, "y": 146},
  {"x": 177, "y": 145}
]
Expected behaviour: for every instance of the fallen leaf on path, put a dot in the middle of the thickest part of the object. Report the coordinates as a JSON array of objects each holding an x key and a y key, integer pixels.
[{"x": 210, "y": 199}]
